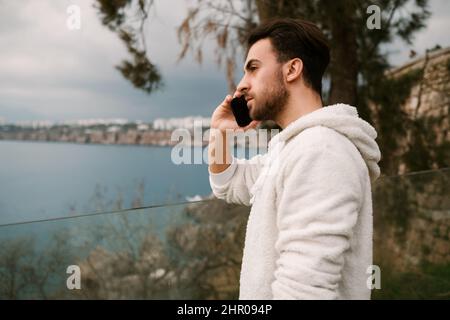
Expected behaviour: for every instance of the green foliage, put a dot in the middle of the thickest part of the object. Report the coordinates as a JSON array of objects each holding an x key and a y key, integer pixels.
[
  {"x": 423, "y": 152},
  {"x": 127, "y": 18},
  {"x": 112, "y": 12},
  {"x": 358, "y": 62},
  {"x": 395, "y": 204},
  {"x": 140, "y": 71},
  {"x": 27, "y": 272},
  {"x": 431, "y": 281},
  {"x": 393, "y": 122},
  {"x": 395, "y": 127}
]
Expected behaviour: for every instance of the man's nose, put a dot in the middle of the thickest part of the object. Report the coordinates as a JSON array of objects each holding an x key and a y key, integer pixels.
[{"x": 242, "y": 88}]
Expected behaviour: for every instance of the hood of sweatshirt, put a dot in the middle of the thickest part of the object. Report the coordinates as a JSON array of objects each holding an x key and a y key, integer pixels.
[
  {"x": 340, "y": 117},
  {"x": 344, "y": 119}
]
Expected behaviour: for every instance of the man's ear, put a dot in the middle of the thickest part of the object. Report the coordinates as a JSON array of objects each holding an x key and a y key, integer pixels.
[{"x": 294, "y": 69}]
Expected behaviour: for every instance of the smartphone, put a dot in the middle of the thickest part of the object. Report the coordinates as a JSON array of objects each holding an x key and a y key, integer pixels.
[{"x": 240, "y": 111}]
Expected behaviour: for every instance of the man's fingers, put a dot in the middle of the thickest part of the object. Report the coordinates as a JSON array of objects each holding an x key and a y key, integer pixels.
[
  {"x": 226, "y": 102},
  {"x": 255, "y": 123}
]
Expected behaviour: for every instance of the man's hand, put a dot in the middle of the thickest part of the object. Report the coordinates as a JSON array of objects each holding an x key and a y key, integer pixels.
[{"x": 223, "y": 118}]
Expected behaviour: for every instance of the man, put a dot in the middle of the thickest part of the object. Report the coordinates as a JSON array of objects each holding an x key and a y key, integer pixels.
[{"x": 309, "y": 233}]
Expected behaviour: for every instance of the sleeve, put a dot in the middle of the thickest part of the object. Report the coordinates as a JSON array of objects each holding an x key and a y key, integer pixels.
[
  {"x": 317, "y": 212},
  {"x": 234, "y": 184}
]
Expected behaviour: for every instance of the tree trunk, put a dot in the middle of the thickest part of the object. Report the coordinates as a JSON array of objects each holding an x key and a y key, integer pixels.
[
  {"x": 344, "y": 58},
  {"x": 266, "y": 9},
  {"x": 282, "y": 8}
]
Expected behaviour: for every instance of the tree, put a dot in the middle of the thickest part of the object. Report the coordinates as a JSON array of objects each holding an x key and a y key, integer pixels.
[
  {"x": 127, "y": 18},
  {"x": 358, "y": 63},
  {"x": 355, "y": 48}
]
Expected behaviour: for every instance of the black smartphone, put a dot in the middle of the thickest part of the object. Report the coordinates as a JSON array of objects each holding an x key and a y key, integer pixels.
[{"x": 240, "y": 111}]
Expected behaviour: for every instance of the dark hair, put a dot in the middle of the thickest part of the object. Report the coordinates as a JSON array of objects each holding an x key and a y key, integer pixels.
[{"x": 294, "y": 38}]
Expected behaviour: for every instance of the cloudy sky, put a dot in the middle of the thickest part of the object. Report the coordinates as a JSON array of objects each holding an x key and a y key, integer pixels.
[{"x": 48, "y": 72}]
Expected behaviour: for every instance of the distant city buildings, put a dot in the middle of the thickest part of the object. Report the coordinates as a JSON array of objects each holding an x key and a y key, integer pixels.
[
  {"x": 177, "y": 123},
  {"x": 115, "y": 124},
  {"x": 104, "y": 131}
]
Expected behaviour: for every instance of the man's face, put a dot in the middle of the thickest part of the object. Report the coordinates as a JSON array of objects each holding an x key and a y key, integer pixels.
[{"x": 263, "y": 84}]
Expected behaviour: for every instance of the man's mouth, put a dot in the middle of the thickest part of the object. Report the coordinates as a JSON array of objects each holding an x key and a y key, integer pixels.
[{"x": 248, "y": 105}]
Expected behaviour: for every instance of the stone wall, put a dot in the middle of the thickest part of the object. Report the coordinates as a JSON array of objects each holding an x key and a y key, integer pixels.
[{"x": 429, "y": 99}]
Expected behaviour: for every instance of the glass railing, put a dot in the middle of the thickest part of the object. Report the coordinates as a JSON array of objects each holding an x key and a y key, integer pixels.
[{"x": 193, "y": 250}]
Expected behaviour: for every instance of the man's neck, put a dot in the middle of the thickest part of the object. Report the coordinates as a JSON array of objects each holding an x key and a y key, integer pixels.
[{"x": 297, "y": 106}]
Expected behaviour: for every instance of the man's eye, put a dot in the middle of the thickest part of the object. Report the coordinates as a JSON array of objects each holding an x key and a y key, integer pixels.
[{"x": 252, "y": 68}]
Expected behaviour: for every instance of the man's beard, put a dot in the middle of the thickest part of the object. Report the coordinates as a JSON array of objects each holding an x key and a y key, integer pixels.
[{"x": 276, "y": 99}]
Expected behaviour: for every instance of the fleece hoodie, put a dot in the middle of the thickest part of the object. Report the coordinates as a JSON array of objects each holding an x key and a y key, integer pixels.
[{"x": 309, "y": 232}]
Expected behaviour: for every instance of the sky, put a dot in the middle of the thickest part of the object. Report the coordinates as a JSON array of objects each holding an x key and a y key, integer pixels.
[{"x": 48, "y": 72}]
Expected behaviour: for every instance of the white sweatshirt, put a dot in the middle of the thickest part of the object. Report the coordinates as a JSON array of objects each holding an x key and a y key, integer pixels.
[{"x": 309, "y": 232}]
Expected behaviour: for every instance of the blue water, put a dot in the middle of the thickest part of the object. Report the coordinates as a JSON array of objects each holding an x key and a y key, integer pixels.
[{"x": 40, "y": 180}]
